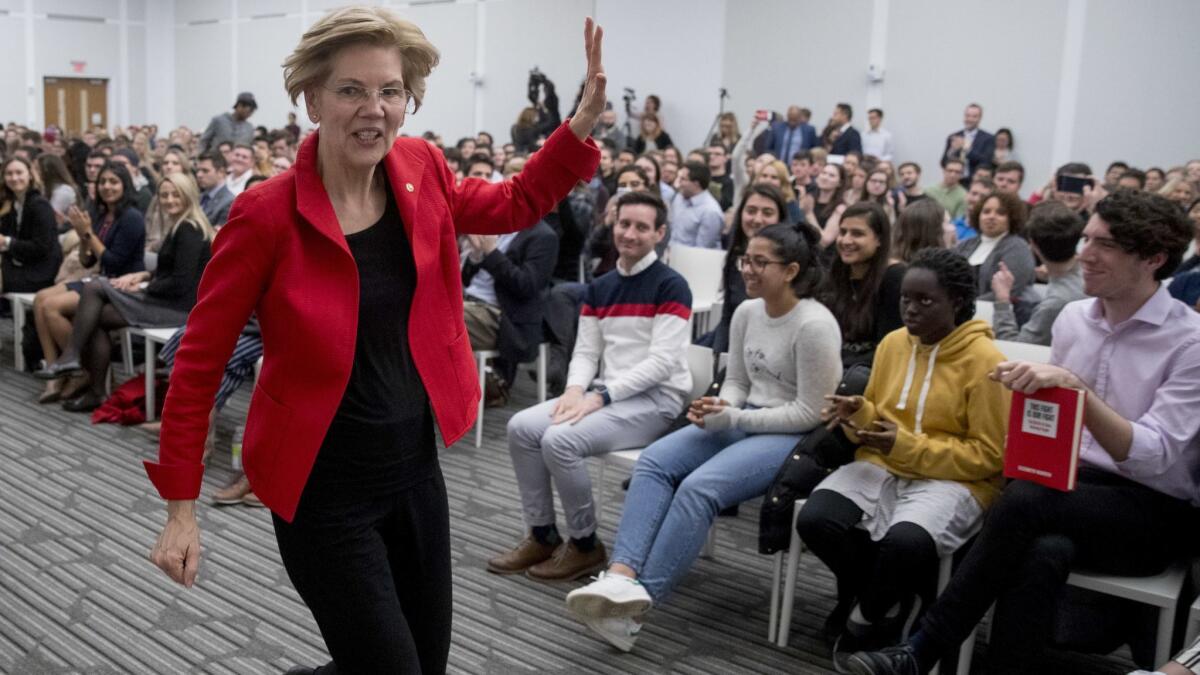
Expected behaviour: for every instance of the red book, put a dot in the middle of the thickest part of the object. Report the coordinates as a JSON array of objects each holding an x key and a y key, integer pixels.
[{"x": 1044, "y": 431}]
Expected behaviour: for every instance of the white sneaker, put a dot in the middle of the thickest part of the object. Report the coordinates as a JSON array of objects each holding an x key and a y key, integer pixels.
[
  {"x": 609, "y": 596},
  {"x": 620, "y": 632}
]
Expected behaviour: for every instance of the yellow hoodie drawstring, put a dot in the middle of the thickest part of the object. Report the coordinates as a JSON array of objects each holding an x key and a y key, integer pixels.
[{"x": 908, "y": 381}]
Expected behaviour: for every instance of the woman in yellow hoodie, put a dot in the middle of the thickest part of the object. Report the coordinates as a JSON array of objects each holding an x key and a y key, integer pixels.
[{"x": 931, "y": 428}]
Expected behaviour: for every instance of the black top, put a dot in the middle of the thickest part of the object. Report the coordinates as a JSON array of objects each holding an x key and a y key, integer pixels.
[
  {"x": 381, "y": 439},
  {"x": 181, "y": 262},
  {"x": 33, "y": 255},
  {"x": 886, "y": 313}
]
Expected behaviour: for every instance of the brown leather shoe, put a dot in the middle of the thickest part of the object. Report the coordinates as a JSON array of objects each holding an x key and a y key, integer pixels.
[
  {"x": 232, "y": 493},
  {"x": 569, "y": 563},
  {"x": 527, "y": 553}
]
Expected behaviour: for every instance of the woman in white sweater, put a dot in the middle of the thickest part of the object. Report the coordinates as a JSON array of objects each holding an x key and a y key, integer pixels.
[{"x": 784, "y": 357}]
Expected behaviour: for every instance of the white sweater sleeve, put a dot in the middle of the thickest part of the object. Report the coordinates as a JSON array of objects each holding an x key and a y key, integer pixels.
[
  {"x": 585, "y": 360},
  {"x": 736, "y": 386},
  {"x": 669, "y": 337}
]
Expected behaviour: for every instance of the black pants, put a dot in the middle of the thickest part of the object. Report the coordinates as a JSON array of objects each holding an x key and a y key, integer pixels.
[
  {"x": 878, "y": 574},
  {"x": 376, "y": 575},
  {"x": 1031, "y": 539}
]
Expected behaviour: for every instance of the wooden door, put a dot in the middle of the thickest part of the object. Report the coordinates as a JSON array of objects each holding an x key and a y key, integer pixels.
[{"x": 76, "y": 104}]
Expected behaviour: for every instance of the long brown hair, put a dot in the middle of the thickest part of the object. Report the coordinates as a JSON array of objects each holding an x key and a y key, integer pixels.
[{"x": 855, "y": 307}]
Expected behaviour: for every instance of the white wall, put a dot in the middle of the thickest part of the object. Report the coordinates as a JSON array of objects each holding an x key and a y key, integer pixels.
[{"x": 1122, "y": 91}]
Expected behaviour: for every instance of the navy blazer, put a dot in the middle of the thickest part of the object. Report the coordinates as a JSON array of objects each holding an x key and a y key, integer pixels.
[
  {"x": 981, "y": 153},
  {"x": 124, "y": 243},
  {"x": 522, "y": 274},
  {"x": 34, "y": 256},
  {"x": 779, "y": 133},
  {"x": 847, "y": 142}
]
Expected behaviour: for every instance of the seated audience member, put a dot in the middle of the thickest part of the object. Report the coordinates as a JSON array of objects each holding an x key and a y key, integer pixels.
[
  {"x": 606, "y": 172},
  {"x": 1005, "y": 148},
  {"x": 1155, "y": 179},
  {"x": 950, "y": 193},
  {"x": 113, "y": 235},
  {"x": 930, "y": 426},
  {"x": 635, "y": 322},
  {"x": 454, "y": 160},
  {"x": 856, "y": 184},
  {"x": 819, "y": 206},
  {"x": 762, "y": 205},
  {"x": 652, "y": 136},
  {"x": 910, "y": 184},
  {"x": 142, "y": 190},
  {"x": 727, "y": 134},
  {"x": 696, "y": 217},
  {"x": 29, "y": 250},
  {"x": 999, "y": 219},
  {"x": 879, "y": 191},
  {"x": 1136, "y": 352},
  {"x": 479, "y": 165},
  {"x": 503, "y": 279},
  {"x": 140, "y": 299},
  {"x": 524, "y": 132},
  {"x": 241, "y": 168},
  {"x": 650, "y": 165},
  {"x": 57, "y": 185},
  {"x": 980, "y": 188},
  {"x": 1133, "y": 179},
  {"x": 801, "y": 168},
  {"x": 720, "y": 181},
  {"x": 1186, "y": 289},
  {"x": 920, "y": 226},
  {"x": 95, "y": 161},
  {"x": 783, "y": 359},
  {"x": 1053, "y": 232},
  {"x": 863, "y": 286},
  {"x": 1113, "y": 173},
  {"x": 1076, "y": 201},
  {"x": 1193, "y": 261},
  {"x": 1180, "y": 191},
  {"x": 1009, "y": 176},
  {"x": 600, "y": 247},
  {"x": 774, "y": 173}
]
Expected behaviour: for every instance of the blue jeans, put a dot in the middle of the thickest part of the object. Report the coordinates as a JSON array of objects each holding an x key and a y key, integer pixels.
[{"x": 663, "y": 526}]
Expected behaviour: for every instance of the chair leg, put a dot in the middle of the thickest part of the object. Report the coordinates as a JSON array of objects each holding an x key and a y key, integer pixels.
[
  {"x": 127, "y": 350},
  {"x": 542, "y": 363},
  {"x": 776, "y": 574},
  {"x": 600, "y": 491},
  {"x": 795, "y": 551},
  {"x": 710, "y": 543},
  {"x": 482, "y": 399},
  {"x": 18, "y": 312},
  {"x": 1162, "y": 645}
]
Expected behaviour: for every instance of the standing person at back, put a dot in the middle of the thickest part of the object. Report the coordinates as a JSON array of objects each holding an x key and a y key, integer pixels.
[
  {"x": 634, "y": 321},
  {"x": 848, "y": 139},
  {"x": 232, "y": 127},
  {"x": 972, "y": 145},
  {"x": 792, "y": 135}
]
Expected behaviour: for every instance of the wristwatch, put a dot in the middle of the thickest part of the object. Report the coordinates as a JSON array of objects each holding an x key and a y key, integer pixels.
[{"x": 603, "y": 391}]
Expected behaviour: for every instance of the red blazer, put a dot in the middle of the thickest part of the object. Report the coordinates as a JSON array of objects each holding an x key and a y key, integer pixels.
[{"x": 282, "y": 254}]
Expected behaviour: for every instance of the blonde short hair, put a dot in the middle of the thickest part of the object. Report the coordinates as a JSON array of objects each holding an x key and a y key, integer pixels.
[{"x": 309, "y": 63}]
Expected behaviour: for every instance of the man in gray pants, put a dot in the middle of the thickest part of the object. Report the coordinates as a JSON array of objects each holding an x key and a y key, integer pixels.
[{"x": 634, "y": 320}]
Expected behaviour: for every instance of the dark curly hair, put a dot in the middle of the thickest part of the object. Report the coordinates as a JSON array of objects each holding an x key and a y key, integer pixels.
[
  {"x": 954, "y": 274},
  {"x": 1145, "y": 225},
  {"x": 1010, "y": 204}
]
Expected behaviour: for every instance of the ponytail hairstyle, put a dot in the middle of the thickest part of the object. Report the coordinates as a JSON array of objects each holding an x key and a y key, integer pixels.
[
  {"x": 855, "y": 307},
  {"x": 798, "y": 244}
]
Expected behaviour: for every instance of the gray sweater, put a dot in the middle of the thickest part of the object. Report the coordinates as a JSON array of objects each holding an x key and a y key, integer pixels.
[
  {"x": 1014, "y": 252},
  {"x": 780, "y": 369},
  {"x": 1036, "y": 330}
]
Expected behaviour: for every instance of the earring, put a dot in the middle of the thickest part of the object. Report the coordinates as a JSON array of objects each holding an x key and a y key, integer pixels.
[{"x": 315, "y": 118}]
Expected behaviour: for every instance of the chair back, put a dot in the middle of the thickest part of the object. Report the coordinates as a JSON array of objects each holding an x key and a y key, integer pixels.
[
  {"x": 1023, "y": 351},
  {"x": 700, "y": 362},
  {"x": 701, "y": 268},
  {"x": 985, "y": 310}
]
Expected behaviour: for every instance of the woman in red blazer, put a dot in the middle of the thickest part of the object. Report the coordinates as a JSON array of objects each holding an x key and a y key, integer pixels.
[{"x": 350, "y": 261}]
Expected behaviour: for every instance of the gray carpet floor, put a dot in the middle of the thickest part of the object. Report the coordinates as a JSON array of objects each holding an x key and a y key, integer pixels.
[{"x": 78, "y": 595}]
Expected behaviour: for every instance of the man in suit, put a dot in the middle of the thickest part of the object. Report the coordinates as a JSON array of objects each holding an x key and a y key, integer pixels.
[
  {"x": 847, "y": 138},
  {"x": 215, "y": 198},
  {"x": 504, "y": 278},
  {"x": 791, "y": 136},
  {"x": 972, "y": 145}
]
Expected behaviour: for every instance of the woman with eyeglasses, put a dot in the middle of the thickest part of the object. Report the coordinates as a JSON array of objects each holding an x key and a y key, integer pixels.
[
  {"x": 783, "y": 361},
  {"x": 349, "y": 261}
]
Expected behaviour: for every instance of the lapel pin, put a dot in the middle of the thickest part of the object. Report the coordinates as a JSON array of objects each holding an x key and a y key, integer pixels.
[{"x": 408, "y": 186}]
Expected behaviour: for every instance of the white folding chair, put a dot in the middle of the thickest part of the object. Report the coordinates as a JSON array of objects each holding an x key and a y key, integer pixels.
[
  {"x": 1193, "y": 623},
  {"x": 19, "y": 302},
  {"x": 985, "y": 310},
  {"x": 701, "y": 268},
  {"x": 1161, "y": 591},
  {"x": 481, "y": 359}
]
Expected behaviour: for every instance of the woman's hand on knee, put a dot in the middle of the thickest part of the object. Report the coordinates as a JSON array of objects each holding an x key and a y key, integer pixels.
[{"x": 177, "y": 551}]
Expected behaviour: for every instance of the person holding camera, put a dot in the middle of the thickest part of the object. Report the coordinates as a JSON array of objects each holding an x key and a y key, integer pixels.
[{"x": 545, "y": 100}]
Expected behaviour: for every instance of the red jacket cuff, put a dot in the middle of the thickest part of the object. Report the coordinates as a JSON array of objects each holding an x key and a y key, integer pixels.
[
  {"x": 176, "y": 481},
  {"x": 581, "y": 158}
]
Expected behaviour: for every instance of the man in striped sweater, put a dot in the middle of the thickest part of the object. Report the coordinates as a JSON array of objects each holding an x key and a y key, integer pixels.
[{"x": 627, "y": 381}]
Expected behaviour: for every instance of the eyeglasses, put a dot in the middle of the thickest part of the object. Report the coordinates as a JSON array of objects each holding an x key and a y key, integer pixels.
[
  {"x": 389, "y": 96},
  {"x": 756, "y": 264}
]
